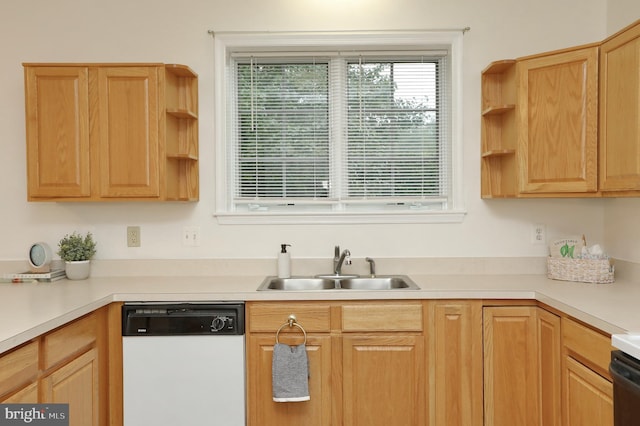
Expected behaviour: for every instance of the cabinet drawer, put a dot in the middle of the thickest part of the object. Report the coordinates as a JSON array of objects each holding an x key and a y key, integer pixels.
[
  {"x": 268, "y": 317},
  {"x": 18, "y": 367},
  {"x": 382, "y": 317},
  {"x": 591, "y": 347},
  {"x": 69, "y": 340}
]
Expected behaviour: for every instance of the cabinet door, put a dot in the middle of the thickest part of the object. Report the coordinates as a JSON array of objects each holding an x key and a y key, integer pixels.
[
  {"x": 57, "y": 120},
  {"x": 620, "y": 111},
  {"x": 76, "y": 383},
  {"x": 27, "y": 395},
  {"x": 549, "y": 342},
  {"x": 19, "y": 367},
  {"x": 588, "y": 396},
  {"x": 384, "y": 380},
  {"x": 558, "y": 122},
  {"x": 456, "y": 363},
  {"x": 510, "y": 366},
  {"x": 127, "y": 140},
  {"x": 262, "y": 410}
]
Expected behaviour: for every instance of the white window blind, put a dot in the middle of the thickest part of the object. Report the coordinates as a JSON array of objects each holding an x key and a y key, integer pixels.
[
  {"x": 283, "y": 151},
  {"x": 396, "y": 148},
  {"x": 321, "y": 130}
]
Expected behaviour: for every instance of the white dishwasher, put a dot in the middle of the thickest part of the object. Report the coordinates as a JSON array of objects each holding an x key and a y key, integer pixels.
[{"x": 183, "y": 364}]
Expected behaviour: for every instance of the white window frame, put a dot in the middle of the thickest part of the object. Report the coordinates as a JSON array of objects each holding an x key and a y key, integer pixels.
[{"x": 226, "y": 43}]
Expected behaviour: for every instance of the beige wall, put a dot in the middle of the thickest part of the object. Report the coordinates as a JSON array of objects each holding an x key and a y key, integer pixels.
[
  {"x": 621, "y": 13},
  {"x": 176, "y": 32},
  {"x": 622, "y": 228}
]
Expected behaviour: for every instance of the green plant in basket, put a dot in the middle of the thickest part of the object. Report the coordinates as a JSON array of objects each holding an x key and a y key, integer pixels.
[{"x": 75, "y": 247}]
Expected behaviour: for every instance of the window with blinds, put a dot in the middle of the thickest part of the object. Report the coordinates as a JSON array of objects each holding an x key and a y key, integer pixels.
[
  {"x": 394, "y": 147},
  {"x": 283, "y": 144},
  {"x": 338, "y": 131}
]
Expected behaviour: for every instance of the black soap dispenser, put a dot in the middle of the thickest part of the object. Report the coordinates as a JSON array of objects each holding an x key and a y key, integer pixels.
[{"x": 284, "y": 262}]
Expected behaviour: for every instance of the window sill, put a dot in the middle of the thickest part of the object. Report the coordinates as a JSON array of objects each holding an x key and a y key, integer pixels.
[{"x": 337, "y": 218}]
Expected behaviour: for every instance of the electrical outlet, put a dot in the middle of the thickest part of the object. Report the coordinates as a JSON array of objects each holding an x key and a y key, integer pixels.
[
  {"x": 538, "y": 234},
  {"x": 191, "y": 236},
  {"x": 133, "y": 236}
]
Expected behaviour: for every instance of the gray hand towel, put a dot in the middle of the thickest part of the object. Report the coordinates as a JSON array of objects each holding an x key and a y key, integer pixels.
[{"x": 290, "y": 373}]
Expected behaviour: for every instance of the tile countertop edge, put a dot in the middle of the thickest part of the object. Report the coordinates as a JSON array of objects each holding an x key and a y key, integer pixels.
[{"x": 39, "y": 308}]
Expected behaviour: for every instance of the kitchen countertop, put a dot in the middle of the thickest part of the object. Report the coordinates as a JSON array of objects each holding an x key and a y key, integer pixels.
[{"x": 31, "y": 309}]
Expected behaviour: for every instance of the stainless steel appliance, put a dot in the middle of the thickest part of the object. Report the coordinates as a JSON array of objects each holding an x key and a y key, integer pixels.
[
  {"x": 183, "y": 364},
  {"x": 625, "y": 371}
]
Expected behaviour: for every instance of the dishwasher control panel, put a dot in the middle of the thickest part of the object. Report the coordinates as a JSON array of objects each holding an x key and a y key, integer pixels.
[{"x": 169, "y": 319}]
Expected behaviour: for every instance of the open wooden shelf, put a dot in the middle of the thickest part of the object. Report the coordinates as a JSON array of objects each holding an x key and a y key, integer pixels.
[
  {"x": 181, "y": 92},
  {"x": 498, "y": 145}
]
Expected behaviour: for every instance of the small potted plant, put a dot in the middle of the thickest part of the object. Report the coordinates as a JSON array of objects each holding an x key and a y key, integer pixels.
[{"x": 77, "y": 251}]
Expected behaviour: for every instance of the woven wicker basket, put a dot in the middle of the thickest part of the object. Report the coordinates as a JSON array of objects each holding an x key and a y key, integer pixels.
[{"x": 582, "y": 270}]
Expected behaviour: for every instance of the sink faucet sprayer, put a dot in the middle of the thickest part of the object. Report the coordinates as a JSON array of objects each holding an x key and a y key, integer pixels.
[
  {"x": 339, "y": 259},
  {"x": 372, "y": 267}
]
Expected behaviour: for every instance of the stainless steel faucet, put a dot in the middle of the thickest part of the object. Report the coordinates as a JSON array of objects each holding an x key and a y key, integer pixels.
[{"x": 339, "y": 259}]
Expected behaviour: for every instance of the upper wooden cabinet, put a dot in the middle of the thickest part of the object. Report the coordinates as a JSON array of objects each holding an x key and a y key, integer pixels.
[
  {"x": 620, "y": 111},
  {"x": 57, "y": 117},
  {"x": 557, "y": 121},
  {"x": 564, "y": 123},
  {"x": 99, "y": 132},
  {"x": 127, "y": 144},
  {"x": 539, "y": 125}
]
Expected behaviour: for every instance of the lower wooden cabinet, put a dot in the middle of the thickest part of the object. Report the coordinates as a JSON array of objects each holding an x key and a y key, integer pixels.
[
  {"x": 549, "y": 346},
  {"x": 367, "y": 363},
  {"x": 263, "y": 410},
  {"x": 384, "y": 376},
  {"x": 70, "y": 364},
  {"x": 264, "y": 319},
  {"x": 19, "y": 374},
  {"x": 510, "y": 383},
  {"x": 587, "y": 385},
  {"x": 543, "y": 368},
  {"x": 70, "y": 370},
  {"x": 383, "y": 380},
  {"x": 412, "y": 362},
  {"x": 439, "y": 362},
  {"x": 76, "y": 383},
  {"x": 588, "y": 396},
  {"x": 26, "y": 395},
  {"x": 455, "y": 363},
  {"x": 521, "y": 366}
]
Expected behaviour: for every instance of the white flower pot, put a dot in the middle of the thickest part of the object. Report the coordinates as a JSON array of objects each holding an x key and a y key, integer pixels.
[{"x": 78, "y": 270}]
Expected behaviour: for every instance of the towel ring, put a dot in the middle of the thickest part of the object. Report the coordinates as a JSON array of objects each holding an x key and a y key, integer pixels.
[{"x": 292, "y": 322}]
